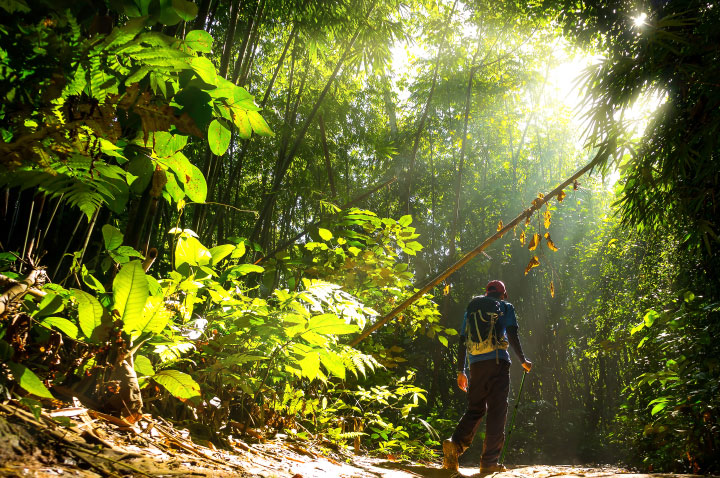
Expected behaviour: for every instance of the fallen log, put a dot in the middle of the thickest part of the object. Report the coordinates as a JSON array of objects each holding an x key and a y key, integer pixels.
[{"x": 526, "y": 214}]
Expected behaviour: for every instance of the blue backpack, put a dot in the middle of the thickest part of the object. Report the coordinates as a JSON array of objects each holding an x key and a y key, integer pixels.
[{"x": 483, "y": 330}]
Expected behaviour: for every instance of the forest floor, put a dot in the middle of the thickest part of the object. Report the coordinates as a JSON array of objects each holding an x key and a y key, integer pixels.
[{"x": 92, "y": 445}]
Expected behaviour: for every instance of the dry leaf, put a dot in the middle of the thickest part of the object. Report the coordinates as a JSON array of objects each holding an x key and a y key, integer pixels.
[
  {"x": 527, "y": 220},
  {"x": 534, "y": 242},
  {"x": 546, "y": 216},
  {"x": 552, "y": 289},
  {"x": 561, "y": 196},
  {"x": 550, "y": 243},
  {"x": 541, "y": 195},
  {"x": 576, "y": 185},
  {"x": 446, "y": 290},
  {"x": 534, "y": 262},
  {"x": 500, "y": 226},
  {"x": 522, "y": 238}
]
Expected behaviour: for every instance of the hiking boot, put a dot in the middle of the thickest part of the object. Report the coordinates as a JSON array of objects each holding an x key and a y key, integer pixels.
[
  {"x": 450, "y": 455},
  {"x": 496, "y": 468}
]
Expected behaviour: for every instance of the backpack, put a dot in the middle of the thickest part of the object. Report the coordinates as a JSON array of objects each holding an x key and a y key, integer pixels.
[{"x": 483, "y": 331}]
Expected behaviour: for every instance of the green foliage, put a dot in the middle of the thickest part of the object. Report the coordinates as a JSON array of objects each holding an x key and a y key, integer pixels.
[{"x": 109, "y": 106}]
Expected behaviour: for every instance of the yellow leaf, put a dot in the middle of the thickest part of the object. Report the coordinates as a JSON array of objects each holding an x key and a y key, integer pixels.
[
  {"x": 546, "y": 216},
  {"x": 561, "y": 196},
  {"x": 522, "y": 238},
  {"x": 550, "y": 243},
  {"x": 534, "y": 262},
  {"x": 541, "y": 195},
  {"x": 500, "y": 226},
  {"x": 446, "y": 290},
  {"x": 534, "y": 242},
  {"x": 552, "y": 289}
]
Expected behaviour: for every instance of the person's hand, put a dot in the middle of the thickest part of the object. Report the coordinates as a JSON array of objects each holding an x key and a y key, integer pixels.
[
  {"x": 527, "y": 365},
  {"x": 462, "y": 381}
]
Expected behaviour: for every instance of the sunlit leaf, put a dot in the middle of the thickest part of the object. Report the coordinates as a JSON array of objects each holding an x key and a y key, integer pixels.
[
  {"x": 153, "y": 319},
  {"x": 549, "y": 242},
  {"x": 500, "y": 226},
  {"x": 199, "y": 40},
  {"x": 325, "y": 235},
  {"x": 258, "y": 124},
  {"x": 28, "y": 380},
  {"x": 63, "y": 325},
  {"x": 333, "y": 363},
  {"x": 130, "y": 291},
  {"x": 330, "y": 324},
  {"x": 552, "y": 289},
  {"x": 534, "y": 242},
  {"x": 405, "y": 220},
  {"x": 112, "y": 237},
  {"x": 546, "y": 218},
  {"x": 143, "y": 366},
  {"x": 90, "y": 312},
  {"x": 522, "y": 238},
  {"x": 534, "y": 262},
  {"x": 219, "y": 253},
  {"x": 179, "y": 384},
  {"x": 310, "y": 365},
  {"x": 218, "y": 137}
]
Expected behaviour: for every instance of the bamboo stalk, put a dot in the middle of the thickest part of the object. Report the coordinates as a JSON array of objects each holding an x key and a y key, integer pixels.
[{"x": 527, "y": 213}]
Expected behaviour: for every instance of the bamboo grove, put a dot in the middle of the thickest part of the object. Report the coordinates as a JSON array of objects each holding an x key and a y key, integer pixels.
[{"x": 205, "y": 203}]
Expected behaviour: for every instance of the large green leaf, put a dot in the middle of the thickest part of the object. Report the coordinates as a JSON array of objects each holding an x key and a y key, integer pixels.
[
  {"x": 190, "y": 251},
  {"x": 310, "y": 365},
  {"x": 258, "y": 124},
  {"x": 90, "y": 313},
  {"x": 244, "y": 269},
  {"x": 185, "y": 9},
  {"x": 28, "y": 380},
  {"x": 204, "y": 69},
  {"x": 130, "y": 291},
  {"x": 333, "y": 363},
  {"x": 242, "y": 123},
  {"x": 63, "y": 325},
  {"x": 325, "y": 235},
  {"x": 218, "y": 137},
  {"x": 220, "y": 252},
  {"x": 153, "y": 319},
  {"x": 143, "y": 366},
  {"x": 200, "y": 41},
  {"x": 179, "y": 384},
  {"x": 196, "y": 186},
  {"x": 142, "y": 167},
  {"x": 330, "y": 324},
  {"x": 112, "y": 236}
]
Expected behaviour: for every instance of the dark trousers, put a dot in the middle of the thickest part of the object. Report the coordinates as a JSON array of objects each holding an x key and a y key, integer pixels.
[{"x": 488, "y": 392}]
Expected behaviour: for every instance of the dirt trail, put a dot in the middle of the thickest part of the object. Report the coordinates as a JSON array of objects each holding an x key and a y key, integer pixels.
[{"x": 92, "y": 448}]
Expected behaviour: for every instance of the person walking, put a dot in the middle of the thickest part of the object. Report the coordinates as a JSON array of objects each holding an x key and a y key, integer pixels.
[{"x": 488, "y": 327}]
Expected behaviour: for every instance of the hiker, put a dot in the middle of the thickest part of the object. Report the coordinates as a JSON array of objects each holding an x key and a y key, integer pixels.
[{"x": 487, "y": 329}]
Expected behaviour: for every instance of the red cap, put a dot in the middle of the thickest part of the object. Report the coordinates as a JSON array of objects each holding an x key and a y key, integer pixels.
[{"x": 495, "y": 286}]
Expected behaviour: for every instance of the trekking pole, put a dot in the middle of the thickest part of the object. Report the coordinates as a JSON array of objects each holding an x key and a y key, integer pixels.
[{"x": 512, "y": 420}]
